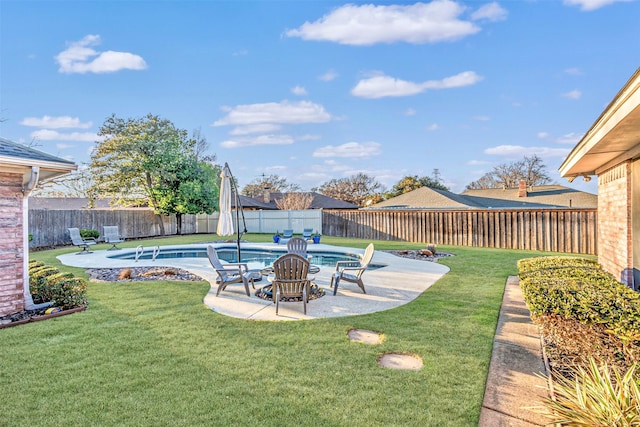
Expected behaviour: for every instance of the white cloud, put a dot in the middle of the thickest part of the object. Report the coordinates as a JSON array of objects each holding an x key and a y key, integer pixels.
[
  {"x": 482, "y": 118},
  {"x": 63, "y": 146},
  {"x": 518, "y": 151},
  {"x": 383, "y": 86},
  {"x": 478, "y": 163},
  {"x": 543, "y": 135},
  {"x": 588, "y": 5},
  {"x": 240, "y": 53},
  {"x": 369, "y": 24},
  {"x": 52, "y": 135},
  {"x": 55, "y": 122},
  {"x": 258, "y": 140},
  {"x": 251, "y": 129},
  {"x": 307, "y": 137},
  {"x": 299, "y": 90},
  {"x": 570, "y": 138},
  {"x": 349, "y": 149},
  {"x": 275, "y": 112},
  {"x": 410, "y": 112},
  {"x": 490, "y": 12},
  {"x": 574, "y": 94},
  {"x": 79, "y": 57},
  {"x": 573, "y": 71},
  {"x": 433, "y": 126},
  {"x": 328, "y": 76}
]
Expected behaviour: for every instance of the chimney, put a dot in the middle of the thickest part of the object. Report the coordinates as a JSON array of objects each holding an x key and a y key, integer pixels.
[
  {"x": 267, "y": 195},
  {"x": 522, "y": 188}
]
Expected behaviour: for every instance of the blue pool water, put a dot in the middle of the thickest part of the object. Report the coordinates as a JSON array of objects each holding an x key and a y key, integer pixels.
[{"x": 262, "y": 256}]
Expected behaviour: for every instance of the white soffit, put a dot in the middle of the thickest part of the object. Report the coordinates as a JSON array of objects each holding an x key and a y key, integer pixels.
[{"x": 614, "y": 136}]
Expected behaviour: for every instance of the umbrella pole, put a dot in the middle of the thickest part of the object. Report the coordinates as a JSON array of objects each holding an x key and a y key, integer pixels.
[{"x": 238, "y": 208}]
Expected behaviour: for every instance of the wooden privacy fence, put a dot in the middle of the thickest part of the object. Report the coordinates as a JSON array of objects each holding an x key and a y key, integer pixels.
[
  {"x": 555, "y": 230},
  {"x": 49, "y": 227}
]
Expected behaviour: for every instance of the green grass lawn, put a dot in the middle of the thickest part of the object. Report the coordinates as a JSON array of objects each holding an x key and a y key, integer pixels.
[{"x": 151, "y": 353}]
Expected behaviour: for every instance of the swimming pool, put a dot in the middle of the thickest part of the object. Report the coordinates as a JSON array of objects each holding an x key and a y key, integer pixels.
[{"x": 230, "y": 254}]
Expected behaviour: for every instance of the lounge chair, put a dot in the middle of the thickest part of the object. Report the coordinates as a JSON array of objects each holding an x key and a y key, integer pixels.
[
  {"x": 351, "y": 271},
  {"x": 112, "y": 235},
  {"x": 80, "y": 242},
  {"x": 290, "y": 279},
  {"x": 286, "y": 235},
  {"x": 229, "y": 273},
  {"x": 307, "y": 233}
]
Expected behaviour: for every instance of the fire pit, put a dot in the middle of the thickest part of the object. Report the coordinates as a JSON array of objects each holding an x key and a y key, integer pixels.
[{"x": 266, "y": 293}]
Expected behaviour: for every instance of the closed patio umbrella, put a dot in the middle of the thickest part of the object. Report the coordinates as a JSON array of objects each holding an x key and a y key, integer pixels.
[{"x": 225, "y": 222}]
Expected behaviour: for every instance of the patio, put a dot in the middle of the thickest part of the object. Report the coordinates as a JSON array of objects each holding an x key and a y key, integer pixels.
[{"x": 399, "y": 282}]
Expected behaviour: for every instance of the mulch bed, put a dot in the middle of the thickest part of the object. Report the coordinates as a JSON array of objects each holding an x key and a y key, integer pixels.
[{"x": 136, "y": 274}]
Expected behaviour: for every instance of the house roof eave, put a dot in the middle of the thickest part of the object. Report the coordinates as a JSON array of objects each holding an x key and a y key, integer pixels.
[{"x": 613, "y": 135}]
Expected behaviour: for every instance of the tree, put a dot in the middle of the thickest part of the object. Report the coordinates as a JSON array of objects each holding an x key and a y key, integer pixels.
[
  {"x": 273, "y": 183},
  {"x": 410, "y": 183},
  {"x": 294, "y": 201},
  {"x": 148, "y": 160},
  {"x": 356, "y": 189},
  {"x": 508, "y": 175},
  {"x": 75, "y": 184}
]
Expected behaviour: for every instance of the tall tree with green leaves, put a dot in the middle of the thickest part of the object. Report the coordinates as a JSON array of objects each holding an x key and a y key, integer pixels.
[
  {"x": 413, "y": 182},
  {"x": 148, "y": 161}
]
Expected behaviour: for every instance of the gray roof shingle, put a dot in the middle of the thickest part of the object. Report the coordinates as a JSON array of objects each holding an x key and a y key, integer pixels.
[
  {"x": 547, "y": 196},
  {"x": 13, "y": 149}
]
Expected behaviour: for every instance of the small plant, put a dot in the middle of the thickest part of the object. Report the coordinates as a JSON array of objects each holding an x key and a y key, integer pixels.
[
  {"x": 125, "y": 274},
  {"x": 594, "y": 398},
  {"x": 431, "y": 247},
  {"x": 85, "y": 233}
]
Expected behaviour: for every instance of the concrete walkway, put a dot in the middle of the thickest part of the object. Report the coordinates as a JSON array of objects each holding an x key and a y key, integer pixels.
[{"x": 514, "y": 386}]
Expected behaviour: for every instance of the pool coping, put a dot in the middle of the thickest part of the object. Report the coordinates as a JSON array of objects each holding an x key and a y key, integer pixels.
[{"x": 401, "y": 280}]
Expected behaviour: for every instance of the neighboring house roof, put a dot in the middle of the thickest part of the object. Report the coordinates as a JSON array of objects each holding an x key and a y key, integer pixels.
[
  {"x": 427, "y": 197},
  {"x": 18, "y": 158},
  {"x": 542, "y": 195},
  {"x": 547, "y": 196},
  {"x": 612, "y": 139},
  {"x": 319, "y": 201},
  {"x": 251, "y": 203}
]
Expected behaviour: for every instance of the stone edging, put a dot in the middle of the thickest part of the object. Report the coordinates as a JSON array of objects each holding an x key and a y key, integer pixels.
[{"x": 43, "y": 317}]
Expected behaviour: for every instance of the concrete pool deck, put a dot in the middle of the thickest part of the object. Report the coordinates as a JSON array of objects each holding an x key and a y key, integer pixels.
[{"x": 401, "y": 280}]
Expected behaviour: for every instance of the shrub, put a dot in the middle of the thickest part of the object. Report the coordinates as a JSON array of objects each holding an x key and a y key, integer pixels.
[
  {"x": 593, "y": 398},
  {"x": 85, "y": 233},
  {"x": 47, "y": 284},
  {"x": 582, "y": 291},
  {"x": 68, "y": 291},
  {"x": 39, "y": 283}
]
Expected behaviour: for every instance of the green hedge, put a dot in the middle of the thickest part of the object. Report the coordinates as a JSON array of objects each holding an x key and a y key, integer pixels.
[
  {"x": 579, "y": 289},
  {"x": 63, "y": 290},
  {"x": 85, "y": 233}
]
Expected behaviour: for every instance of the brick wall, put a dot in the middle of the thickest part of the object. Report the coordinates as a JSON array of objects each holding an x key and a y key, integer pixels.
[
  {"x": 614, "y": 222},
  {"x": 11, "y": 244}
]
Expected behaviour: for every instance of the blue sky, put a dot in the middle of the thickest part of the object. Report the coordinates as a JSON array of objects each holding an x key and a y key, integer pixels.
[{"x": 316, "y": 90}]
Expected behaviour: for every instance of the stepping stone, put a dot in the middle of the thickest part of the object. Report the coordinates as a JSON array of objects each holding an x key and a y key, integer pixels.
[
  {"x": 400, "y": 361},
  {"x": 365, "y": 336}
]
